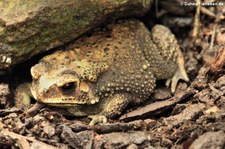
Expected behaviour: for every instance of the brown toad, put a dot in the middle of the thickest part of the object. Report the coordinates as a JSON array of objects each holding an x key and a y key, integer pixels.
[{"x": 100, "y": 74}]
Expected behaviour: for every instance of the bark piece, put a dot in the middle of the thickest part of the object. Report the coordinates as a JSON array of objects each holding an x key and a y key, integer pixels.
[
  {"x": 219, "y": 61},
  {"x": 25, "y": 142},
  {"x": 157, "y": 107},
  {"x": 80, "y": 140},
  {"x": 120, "y": 139},
  {"x": 192, "y": 112}
]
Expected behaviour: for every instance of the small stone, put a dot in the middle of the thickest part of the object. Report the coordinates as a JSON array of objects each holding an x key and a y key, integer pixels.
[{"x": 49, "y": 130}]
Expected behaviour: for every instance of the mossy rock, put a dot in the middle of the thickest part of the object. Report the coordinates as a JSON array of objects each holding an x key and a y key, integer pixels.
[{"x": 30, "y": 27}]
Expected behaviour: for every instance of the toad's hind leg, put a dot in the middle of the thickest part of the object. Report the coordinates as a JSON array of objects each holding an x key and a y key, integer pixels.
[{"x": 165, "y": 57}]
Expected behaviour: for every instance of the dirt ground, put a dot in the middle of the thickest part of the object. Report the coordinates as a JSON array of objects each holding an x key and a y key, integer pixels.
[{"x": 194, "y": 117}]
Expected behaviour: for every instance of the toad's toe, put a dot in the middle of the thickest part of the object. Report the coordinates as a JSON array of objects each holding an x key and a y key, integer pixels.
[
  {"x": 97, "y": 119},
  {"x": 179, "y": 74}
]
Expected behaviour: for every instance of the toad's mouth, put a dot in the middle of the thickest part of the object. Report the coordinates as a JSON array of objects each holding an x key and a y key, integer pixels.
[{"x": 59, "y": 102}]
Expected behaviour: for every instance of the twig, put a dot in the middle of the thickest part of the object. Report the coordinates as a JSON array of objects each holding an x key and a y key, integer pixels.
[
  {"x": 107, "y": 128},
  {"x": 212, "y": 38},
  {"x": 207, "y": 12},
  {"x": 196, "y": 20},
  {"x": 34, "y": 109}
]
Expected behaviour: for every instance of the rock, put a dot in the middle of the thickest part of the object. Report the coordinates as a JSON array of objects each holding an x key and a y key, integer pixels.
[
  {"x": 118, "y": 140},
  {"x": 209, "y": 140},
  {"x": 31, "y": 27}
]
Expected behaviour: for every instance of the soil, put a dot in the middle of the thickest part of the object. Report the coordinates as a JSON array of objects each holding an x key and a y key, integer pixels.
[{"x": 193, "y": 117}]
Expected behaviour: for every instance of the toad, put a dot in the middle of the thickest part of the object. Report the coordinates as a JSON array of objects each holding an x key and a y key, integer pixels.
[{"x": 101, "y": 73}]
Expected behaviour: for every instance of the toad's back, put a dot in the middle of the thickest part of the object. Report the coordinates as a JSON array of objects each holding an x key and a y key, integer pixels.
[{"x": 134, "y": 61}]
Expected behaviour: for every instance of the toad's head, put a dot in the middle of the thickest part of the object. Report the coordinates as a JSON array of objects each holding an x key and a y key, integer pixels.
[{"x": 65, "y": 85}]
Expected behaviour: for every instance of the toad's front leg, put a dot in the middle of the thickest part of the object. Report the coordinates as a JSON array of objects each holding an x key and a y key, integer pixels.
[
  {"x": 23, "y": 96},
  {"x": 109, "y": 107},
  {"x": 116, "y": 103}
]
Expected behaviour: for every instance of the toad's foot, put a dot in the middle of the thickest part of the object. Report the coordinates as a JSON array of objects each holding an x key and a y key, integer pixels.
[
  {"x": 114, "y": 105},
  {"x": 97, "y": 119},
  {"x": 179, "y": 74}
]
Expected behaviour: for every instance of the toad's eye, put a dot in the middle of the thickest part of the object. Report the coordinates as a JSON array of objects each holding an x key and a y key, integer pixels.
[{"x": 68, "y": 87}]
